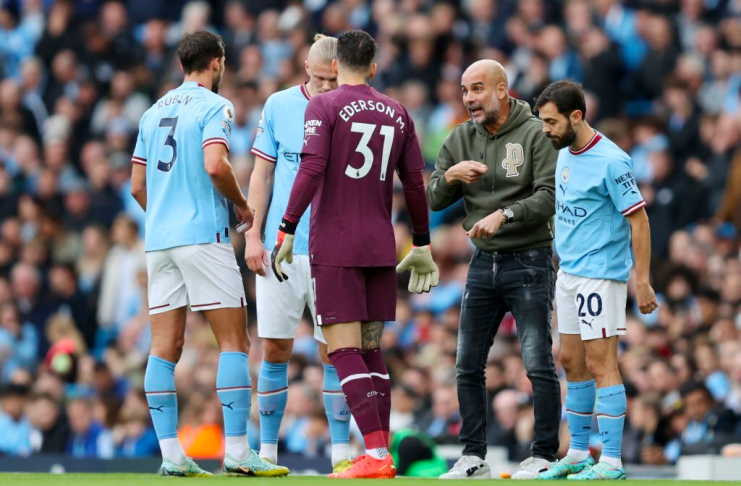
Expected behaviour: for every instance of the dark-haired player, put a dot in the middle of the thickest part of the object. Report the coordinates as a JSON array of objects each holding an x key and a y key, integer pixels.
[
  {"x": 354, "y": 140},
  {"x": 599, "y": 209},
  {"x": 182, "y": 178}
]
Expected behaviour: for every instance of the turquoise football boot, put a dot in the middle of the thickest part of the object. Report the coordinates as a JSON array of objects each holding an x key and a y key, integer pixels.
[
  {"x": 188, "y": 470},
  {"x": 566, "y": 466},
  {"x": 253, "y": 465},
  {"x": 599, "y": 471}
]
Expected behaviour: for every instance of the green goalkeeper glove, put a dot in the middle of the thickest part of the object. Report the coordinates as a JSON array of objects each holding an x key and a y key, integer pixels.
[{"x": 425, "y": 274}]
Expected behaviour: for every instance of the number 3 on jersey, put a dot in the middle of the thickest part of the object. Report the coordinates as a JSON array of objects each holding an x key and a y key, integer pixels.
[
  {"x": 367, "y": 129},
  {"x": 170, "y": 141}
]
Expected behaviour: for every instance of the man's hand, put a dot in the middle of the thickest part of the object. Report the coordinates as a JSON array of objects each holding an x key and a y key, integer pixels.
[
  {"x": 489, "y": 226},
  {"x": 254, "y": 253},
  {"x": 425, "y": 274},
  {"x": 468, "y": 172},
  {"x": 646, "y": 298},
  {"x": 244, "y": 214},
  {"x": 283, "y": 249}
]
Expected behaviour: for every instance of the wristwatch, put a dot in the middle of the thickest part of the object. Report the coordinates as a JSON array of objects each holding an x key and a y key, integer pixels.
[{"x": 509, "y": 215}]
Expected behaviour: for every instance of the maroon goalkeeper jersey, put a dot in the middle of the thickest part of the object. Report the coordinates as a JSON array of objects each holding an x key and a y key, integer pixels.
[{"x": 354, "y": 140}]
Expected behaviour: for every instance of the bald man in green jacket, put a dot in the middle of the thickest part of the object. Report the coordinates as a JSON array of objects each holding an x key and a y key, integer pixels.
[{"x": 503, "y": 167}]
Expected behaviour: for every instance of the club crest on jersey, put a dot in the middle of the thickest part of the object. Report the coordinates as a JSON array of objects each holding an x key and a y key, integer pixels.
[
  {"x": 229, "y": 114},
  {"x": 565, "y": 175},
  {"x": 515, "y": 158},
  {"x": 260, "y": 129}
]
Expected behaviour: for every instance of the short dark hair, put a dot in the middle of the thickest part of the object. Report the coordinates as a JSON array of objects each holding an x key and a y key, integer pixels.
[
  {"x": 199, "y": 48},
  {"x": 568, "y": 96},
  {"x": 694, "y": 386},
  {"x": 356, "y": 50}
]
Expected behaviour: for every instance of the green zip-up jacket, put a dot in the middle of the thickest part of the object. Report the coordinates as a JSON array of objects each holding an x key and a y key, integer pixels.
[{"x": 522, "y": 166}]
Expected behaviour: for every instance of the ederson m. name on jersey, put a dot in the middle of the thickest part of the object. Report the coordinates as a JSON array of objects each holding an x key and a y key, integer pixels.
[
  {"x": 595, "y": 190},
  {"x": 183, "y": 206},
  {"x": 280, "y": 137}
]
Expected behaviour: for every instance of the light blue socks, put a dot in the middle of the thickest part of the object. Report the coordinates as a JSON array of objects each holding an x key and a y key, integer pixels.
[
  {"x": 611, "y": 406},
  {"x": 272, "y": 395},
  {"x": 159, "y": 386},
  {"x": 338, "y": 415},
  {"x": 234, "y": 387},
  {"x": 580, "y": 397}
]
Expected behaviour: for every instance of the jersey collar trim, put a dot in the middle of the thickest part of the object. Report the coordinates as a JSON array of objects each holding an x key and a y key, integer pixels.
[
  {"x": 305, "y": 91},
  {"x": 595, "y": 138},
  {"x": 194, "y": 82}
]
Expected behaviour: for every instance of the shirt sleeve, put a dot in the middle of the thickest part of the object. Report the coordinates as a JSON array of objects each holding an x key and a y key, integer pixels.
[
  {"x": 314, "y": 158},
  {"x": 622, "y": 187},
  {"x": 317, "y": 130},
  {"x": 410, "y": 169},
  {"x": 140, "y": 150},
  {"x": 265, "y": 145},
  {"x": 218, "y": 125}
]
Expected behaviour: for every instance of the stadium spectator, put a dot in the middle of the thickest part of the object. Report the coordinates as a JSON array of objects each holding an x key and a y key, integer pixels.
[
  {"x": 709, "y": 426},
  {"x": 26, "y": 280},
  {"x": 119, "y": 298},
  {"x": 89, "y": 439},
  {"x": 16, "y": 437},
  {"x": 18, "y": 342},
  {"x": 51, "y": 427}
]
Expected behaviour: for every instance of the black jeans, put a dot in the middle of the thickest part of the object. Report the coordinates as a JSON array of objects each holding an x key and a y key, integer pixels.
[{"x": 521, "y": 282}]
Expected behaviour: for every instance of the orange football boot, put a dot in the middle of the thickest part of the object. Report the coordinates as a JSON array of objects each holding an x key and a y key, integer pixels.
[{"x": 367, "y": 467}]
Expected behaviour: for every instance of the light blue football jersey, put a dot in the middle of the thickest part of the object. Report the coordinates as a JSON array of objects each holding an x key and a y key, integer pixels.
[
  {"x": 280, "y": 136},
  {"x": 183, "y": 206},
  {"x": 595, "y": 190}
]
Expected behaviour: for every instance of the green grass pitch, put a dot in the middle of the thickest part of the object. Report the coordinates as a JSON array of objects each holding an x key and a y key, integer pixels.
[{"x": 153, "y": 480}]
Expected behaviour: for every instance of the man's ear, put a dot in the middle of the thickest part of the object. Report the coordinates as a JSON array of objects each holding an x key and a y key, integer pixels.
[
  {"x": 335, "y": 66},
  {"x": 374, "y": 69},
  {"x": 576, "y": 116}
]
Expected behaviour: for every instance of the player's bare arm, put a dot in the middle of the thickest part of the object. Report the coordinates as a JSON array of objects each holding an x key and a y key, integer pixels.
[
  {"x": 139, "y": 184},
  {"x": 222, "y": 175},
  {"x": 641, "y": 234},
  {"x": 261, "y": 185}
]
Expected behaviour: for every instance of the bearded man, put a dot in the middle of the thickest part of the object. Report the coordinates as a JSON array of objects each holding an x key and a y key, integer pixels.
[{"x": 502, "y": 165}]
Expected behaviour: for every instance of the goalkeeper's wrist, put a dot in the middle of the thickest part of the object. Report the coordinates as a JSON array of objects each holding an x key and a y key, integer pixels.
[
  {"x": 287, "y": 226},
  {"x": 421, "y": 239}
]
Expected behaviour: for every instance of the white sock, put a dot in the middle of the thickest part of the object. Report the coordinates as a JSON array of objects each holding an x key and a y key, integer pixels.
[
  {"x": 578, "y": 455},
  {"x": 269, "y": 452},
  {"x": 172, "y": 451},
  {"x": 615, "y": 462},
  {"x": 340, "y": 452},
  {"x": 378, "y": 452},
  {"x": 237, "y": 447}
]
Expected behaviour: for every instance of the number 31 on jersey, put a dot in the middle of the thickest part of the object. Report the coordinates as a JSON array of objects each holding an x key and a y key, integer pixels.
[{"x": 367, "y": 130}]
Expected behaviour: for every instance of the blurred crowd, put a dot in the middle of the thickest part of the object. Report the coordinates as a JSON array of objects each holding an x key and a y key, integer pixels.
[{"x": 664, "y": 82}]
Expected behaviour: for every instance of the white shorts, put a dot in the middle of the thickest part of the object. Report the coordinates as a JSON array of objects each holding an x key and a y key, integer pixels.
[
  {"x": 205, "y": 276},
  {"x": 592, "y": 307},
  {"x": 280, "y": 305}
]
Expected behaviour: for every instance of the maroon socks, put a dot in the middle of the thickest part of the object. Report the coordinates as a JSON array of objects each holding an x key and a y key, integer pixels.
[
  {"x": 382, "y": 383},
  {"x": 360, "y": 393}
]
